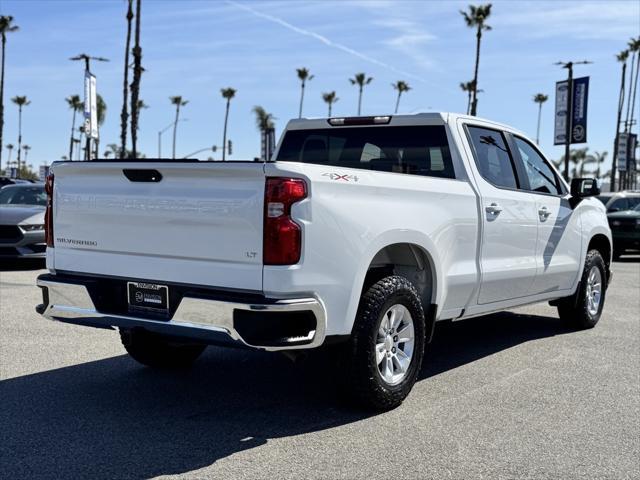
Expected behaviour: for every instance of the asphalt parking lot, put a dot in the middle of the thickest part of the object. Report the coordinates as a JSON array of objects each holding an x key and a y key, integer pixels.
[{"x": 512, "y": 395}]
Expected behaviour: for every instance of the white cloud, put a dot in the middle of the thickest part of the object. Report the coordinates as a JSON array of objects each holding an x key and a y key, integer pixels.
[
  {"x": 323, "y": 39},
  {"x": 579, "y": 20}
]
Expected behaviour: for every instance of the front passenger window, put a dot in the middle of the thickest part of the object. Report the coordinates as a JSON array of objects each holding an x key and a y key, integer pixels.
[{"x": 541, "y": 177}]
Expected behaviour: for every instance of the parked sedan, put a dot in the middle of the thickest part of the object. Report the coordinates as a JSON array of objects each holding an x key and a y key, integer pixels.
[
  {"x": 22, "y": 208},
  {"x": 625, "y": 229}
]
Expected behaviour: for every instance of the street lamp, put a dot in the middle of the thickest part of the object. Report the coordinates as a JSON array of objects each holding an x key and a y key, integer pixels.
[{"x": 160, "y": 132}]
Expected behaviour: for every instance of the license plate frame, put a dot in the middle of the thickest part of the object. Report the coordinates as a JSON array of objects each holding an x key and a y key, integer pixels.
[{"x": 148, "y": 297}]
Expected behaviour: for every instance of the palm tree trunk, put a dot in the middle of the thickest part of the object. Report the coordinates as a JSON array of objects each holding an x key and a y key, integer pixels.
[
  {"x": 301, "y": 100},
  {"x": 224, "y": 133},
  {"x": 124, "y": 116},
  {"x": 468, "y": 102},
  {"x": 4, "y": 43},
  {"x": 73, "y": 128},
  {"x": 634, "y": 86},
  {"x": 538, "y": 129},
  {"x": 626, "y": 122},
  {"x": 135, "y": 85},
  {"x": 614, "y": 157},
  {"x": 175, "y": 129},
  {"x": 398, "y": 101},
  {"x": 330, "y": 103},
  {"x": 359, "y": 100},
  {"x": 474, "y": 101},
  {"x": 19, "y": 135}
]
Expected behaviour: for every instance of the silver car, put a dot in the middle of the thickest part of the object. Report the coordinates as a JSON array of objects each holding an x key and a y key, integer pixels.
[{"x": 22, "y": 208}]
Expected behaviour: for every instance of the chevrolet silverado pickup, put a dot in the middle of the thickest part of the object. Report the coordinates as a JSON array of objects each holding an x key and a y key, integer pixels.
[{"x": 360, "y": 233}]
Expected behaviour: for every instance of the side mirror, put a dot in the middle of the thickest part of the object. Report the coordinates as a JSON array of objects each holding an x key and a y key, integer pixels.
[{"x": 584, "y": 187}]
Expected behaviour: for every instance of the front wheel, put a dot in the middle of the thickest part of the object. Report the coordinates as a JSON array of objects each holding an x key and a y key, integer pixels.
[
  {"x": 583, "y": 309},
  {"x": 158, "y": 351},
  {"x": 385, "y": 353}
]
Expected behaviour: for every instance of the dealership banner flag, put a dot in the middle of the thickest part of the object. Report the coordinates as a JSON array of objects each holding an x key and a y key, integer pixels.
[
  {"x": 578, "y": 113},
  {"x": 90, "y": 106}
]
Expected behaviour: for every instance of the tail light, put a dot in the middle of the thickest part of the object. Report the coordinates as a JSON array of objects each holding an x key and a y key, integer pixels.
[
  {"x": 48, "y": 216},
  {"x": 282, "y": 236}
]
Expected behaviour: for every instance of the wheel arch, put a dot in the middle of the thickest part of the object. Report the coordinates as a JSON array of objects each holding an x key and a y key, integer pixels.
[
  {"x": 602, "y": 243},
  {"x": 411, "y": 258}
]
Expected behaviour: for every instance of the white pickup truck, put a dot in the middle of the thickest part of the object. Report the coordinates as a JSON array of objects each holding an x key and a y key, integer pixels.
[{"x": 362, "y": 232}]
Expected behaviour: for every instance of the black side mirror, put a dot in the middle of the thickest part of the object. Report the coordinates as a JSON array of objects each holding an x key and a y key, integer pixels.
[{"x": 584, "y": 187}]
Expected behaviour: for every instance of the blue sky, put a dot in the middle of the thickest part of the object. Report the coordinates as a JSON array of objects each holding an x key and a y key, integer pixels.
[{"x": 194, "y": 48}]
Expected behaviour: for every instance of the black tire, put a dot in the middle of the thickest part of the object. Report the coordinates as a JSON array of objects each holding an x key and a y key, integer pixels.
[
  {"x": 157, "y": 351},
  {"x": 363, "y": 380},
  {"x": 574, "y": 310}
]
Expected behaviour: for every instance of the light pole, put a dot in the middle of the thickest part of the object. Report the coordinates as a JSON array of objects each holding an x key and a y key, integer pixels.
[
  {"x": 569, "y": 118},
  {"x": 87, "y": 70},
  {"x": 160, "y": 132}
]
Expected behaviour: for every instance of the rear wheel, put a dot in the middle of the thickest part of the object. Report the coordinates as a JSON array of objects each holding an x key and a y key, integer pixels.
[
  {"x": 583, "y": 309},
  {"x": 158, "y": 351},
  {"x": 384, "y": 355}
]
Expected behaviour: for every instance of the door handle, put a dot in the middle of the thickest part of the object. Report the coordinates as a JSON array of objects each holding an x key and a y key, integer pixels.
[
  {"x": 493, "y": 209},
  {"x": 544, "y": 213}
]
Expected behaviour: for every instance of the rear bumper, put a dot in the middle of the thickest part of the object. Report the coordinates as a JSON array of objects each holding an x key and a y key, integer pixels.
[{"x": 272, "y": 324}]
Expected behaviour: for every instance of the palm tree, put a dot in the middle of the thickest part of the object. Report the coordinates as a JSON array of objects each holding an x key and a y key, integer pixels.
[
  {"x": 178, "y": 102},
  {"x": 401, "y": 87},
  {"x": 124, "y": 115},
  {"x": 20, "y": 101},
  {"x": 634, "y": 47},
  {"x": 5, "y": 27},
  {"x": 140, "y": 105},
  {"x": 622, "y": 58},
  {"x": 303, "y": 75},
  {"x": 476, "y": 18},
  {"x": 25, "y": 149},
  {"x": 228, "y": 94},
  {"x": 101, "y": 115},
  {"x": 330, "y": 98},
  {"x": 467, "y": 87},
  {"x": 135, "y": 84},
  {"x": 10, "y": 148},
  {"x": 264, "y": 120},
  {"x": 361, "y": 80},
  {"x": 597, "y": 158},
  {"x": 539, "y": 98},
  {"x": 577, "y": 157},
  {"x": 112, "y": 149},
  {"x": 76, "y": 105}
]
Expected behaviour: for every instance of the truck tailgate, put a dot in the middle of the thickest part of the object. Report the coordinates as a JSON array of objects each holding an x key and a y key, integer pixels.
[{"x": 200, "y": 224}]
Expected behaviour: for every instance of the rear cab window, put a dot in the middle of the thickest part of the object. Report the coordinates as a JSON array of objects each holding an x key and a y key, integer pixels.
[{"x": 415, "y": 150}]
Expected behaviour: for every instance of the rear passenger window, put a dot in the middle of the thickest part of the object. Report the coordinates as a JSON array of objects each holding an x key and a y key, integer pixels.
[
  {"x": 492, "y": 157},
  {"x": 541, "y": 177}
]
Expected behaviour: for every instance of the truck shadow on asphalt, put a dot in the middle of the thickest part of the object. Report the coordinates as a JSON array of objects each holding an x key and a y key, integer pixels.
[{"x": 114, "y": 419}]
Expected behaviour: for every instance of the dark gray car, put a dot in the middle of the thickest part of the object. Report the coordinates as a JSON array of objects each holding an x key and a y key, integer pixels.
[{"x": 22, "y": 208}]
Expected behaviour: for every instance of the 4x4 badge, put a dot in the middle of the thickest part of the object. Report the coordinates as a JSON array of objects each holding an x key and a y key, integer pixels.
[{"x": 338, "y": 177}]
